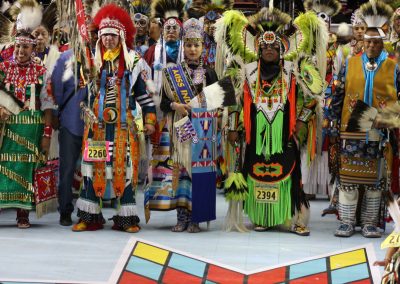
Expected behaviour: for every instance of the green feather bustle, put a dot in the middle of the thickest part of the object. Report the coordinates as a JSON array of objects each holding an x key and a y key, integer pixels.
[
  {"x": 236, "y": 23},
  {"x": 307, "y": 25},
  {"x": 235, "y": 187}
]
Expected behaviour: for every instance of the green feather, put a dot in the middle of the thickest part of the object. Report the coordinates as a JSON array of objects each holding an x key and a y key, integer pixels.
[{"x": 235, "y": 187}]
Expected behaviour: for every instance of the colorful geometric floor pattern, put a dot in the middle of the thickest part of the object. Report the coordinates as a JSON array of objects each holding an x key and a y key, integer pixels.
[{"x": 148, "y": 263}]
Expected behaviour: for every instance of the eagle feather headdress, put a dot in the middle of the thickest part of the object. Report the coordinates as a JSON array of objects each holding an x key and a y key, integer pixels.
[{"x": 377, "y": 14}]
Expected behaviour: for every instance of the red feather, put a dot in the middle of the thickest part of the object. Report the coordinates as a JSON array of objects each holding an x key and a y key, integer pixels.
[{"x": 114, "y": 12}]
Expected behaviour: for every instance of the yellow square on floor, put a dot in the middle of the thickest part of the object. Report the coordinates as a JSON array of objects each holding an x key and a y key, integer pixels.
[
  {"x": 347, "y": 259},
  {"x": 151, "y": 253}
]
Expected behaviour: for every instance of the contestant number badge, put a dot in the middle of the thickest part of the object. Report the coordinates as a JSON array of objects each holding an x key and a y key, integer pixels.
[
  {"x": 392, "y": 241},
  {"x": 267, "y": 193},
  {"x": 96, "y": 151}
]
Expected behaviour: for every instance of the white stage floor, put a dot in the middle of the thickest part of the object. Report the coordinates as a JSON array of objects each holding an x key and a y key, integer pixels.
[{"x": 48, "y": 251}]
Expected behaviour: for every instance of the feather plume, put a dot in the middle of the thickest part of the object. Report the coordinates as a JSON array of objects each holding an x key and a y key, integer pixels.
[
  {"x": 166, "y": 9},
  {"x": 329, "y": 7},
  {"x": 18, "y": 5},
  {"x": 29, "y": 18},
  {"x": 311, "y": 38},
  {"x": 376, "y": 13},
  {"x": 344, "y": 30}
]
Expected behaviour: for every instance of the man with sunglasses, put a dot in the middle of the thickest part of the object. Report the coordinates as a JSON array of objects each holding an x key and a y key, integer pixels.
[{"x": 142, "y": 24}]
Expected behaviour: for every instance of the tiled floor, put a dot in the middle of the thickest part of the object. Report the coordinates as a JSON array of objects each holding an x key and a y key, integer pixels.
[{"x": 49, "y": 251}]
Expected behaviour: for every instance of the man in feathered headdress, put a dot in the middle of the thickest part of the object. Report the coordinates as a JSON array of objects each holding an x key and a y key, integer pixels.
[
  {"x": 168, "y": 49},
  {"x": 142, "y": 24},
  {"x": 111, "y": 153},
  {"x": 214, "y": 11},
  {"x": 274, "y": 129},
  {"x": 362, "y": 163}
]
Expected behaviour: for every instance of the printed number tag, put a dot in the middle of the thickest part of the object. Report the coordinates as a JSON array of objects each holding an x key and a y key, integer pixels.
[
  {"x": 96, "y": 151},
  {"x": 266, "y": 194},
  {"x": 392, "y": 241}
]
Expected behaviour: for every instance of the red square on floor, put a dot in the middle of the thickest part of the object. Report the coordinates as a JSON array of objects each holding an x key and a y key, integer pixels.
[
  {"x": 172, "y": 276},
  {"x": 224, "y": 276},
  {"x": 321, "y": 278},
  {"x": 132, "y": 278},
  {"x": 365, "y": 281},
  {"x": 268, "y": 277}
]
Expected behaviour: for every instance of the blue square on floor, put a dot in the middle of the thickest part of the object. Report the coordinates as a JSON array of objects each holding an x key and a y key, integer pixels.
[
  {"x": 350, "y": 274},
  {"x": 210, "y": 282},
  {"x": 307, "y": 268},
  {"x": 187, "y": 264},
  {"x": 144, "y": 267}
]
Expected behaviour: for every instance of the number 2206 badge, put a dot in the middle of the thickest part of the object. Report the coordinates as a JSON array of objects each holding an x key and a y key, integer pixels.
[
  {"x": 96, "y": 151},
  {"x": 268, "y": 193}
]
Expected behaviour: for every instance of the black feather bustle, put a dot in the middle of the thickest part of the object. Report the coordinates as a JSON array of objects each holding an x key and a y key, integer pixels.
[
  {"x": 50, "y": 16},
  {"x": 357, "y": 114},
  {"x": 227, "y": 86}
]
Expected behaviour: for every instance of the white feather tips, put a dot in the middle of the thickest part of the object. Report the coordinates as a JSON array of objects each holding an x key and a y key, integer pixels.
[
  {"x": 171, "y": 14},
  {"x": 214, "y": 96},
  {"x": 29, "y": 18}
]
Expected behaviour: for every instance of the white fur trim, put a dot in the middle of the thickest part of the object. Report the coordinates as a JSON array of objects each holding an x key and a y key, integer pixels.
[
  {"x": 88, "y": 206},
  {"x": 127, "y": 210}
]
